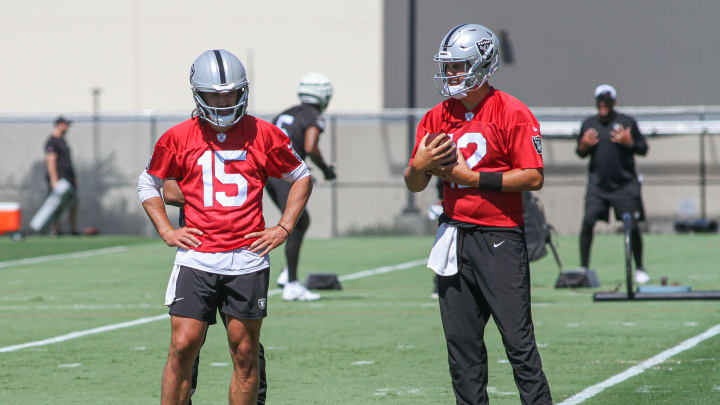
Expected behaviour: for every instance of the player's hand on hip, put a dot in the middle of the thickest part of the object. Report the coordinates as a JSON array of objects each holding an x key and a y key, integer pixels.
[
  {"x": 267, "y": 239},
  {"x": 437, "y": 153},
  {"x": 182, "y": 237}
]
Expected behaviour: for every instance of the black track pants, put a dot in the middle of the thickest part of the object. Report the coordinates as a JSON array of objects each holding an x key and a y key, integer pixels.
[{"x": 493, "y": 280}]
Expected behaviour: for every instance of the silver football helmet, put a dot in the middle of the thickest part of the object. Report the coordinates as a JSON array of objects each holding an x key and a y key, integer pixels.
[
  {"x": 476, "y": 46},
  {"x": 315, "y": 88},
  {"x": 219, "y": 71}
]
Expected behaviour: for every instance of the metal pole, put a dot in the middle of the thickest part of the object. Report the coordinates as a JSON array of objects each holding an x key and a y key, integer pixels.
[
  {"x": 96, "y": 123},
  {"x": 703, "y": 177},
  {"x": 411, "y": 207},
  {"x": 333, "y": 185},
  {"x": 153, "y": 132}
]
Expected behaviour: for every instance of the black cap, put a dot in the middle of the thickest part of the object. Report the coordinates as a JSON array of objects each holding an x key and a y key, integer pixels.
[{"x": 61, "y": 120}]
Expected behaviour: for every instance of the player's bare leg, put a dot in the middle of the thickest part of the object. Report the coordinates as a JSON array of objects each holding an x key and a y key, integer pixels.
[
  {"x": 244, "y": 342},
  {"x": 185, "y": 342}
]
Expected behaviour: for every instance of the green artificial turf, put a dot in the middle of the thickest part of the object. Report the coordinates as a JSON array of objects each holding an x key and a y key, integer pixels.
[{"x": 377, "y": 341}]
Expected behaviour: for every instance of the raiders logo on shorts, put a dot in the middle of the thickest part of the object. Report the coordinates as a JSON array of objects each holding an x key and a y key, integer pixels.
[{"x": 261, "y": 302}]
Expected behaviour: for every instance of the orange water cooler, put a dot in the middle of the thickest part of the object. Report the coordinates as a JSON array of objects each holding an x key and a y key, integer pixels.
[{"x": 9, "y": 217}]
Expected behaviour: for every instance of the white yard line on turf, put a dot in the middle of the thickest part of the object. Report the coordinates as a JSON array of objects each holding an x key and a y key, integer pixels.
[
  {"x": 108, "y": 328},
  {"x": 75, "y": 335},
  {"x": 62, "y": 256},
  {"x": 589, "y": 392},
  {"x": 381, "y": 270}
]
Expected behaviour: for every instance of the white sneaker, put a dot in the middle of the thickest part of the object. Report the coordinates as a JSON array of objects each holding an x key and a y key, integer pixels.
[
  {"x": 294, "y": 291},
  {"x": 283, "y": 278},
  {"x": 641, "y": 276}
]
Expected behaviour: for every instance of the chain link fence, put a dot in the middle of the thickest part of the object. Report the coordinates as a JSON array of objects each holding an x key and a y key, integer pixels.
[{"x": 681, "y": 174}]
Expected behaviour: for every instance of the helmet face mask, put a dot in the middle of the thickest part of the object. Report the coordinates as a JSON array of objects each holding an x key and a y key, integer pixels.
[
  {"x": 219, "y": 72},
  {"x": 474, "y": 45},
  {"x": 315, "y": 88}
]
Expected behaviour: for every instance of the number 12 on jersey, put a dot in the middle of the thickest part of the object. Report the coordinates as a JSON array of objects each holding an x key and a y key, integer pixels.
[
  {"x": 221, "y": 157},
  {"x": 481, "y": 149}
]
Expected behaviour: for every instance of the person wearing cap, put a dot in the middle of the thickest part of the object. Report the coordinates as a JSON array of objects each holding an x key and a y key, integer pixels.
[
  {"x": 612, "y": 140},
  {"x": 58, "y": 164}
]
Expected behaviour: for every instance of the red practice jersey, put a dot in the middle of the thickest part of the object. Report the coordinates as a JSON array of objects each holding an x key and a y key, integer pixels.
[
  {"x": 499, "y": 135},
  {"x": 222, "y": 175}
]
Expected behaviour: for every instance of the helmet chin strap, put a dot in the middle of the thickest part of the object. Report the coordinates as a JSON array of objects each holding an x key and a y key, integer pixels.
[
  {"x": 460, "y": 95},
  {"x": 461, "y": 91}
]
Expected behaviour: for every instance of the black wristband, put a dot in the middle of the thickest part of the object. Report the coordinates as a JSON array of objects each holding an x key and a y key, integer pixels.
[
  {"x": 284, "y": 229},
  {"x": 490, "y": 181}
]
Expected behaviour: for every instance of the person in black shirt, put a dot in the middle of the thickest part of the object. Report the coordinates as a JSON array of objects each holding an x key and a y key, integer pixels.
[
  {"x": 58, "y": 164},
  {"x": 611, "y": 139},
  {"x": 303, "y": 124}
]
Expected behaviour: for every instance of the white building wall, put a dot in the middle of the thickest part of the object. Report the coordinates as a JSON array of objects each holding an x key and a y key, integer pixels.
[{"x": 140, "y": 52}]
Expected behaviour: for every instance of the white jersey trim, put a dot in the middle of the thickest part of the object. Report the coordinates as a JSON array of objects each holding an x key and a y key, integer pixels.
[
  {"x": 148, "y": 186},
  {"x": 297, "y": 174},
  {"x": 231, "y": 263}
]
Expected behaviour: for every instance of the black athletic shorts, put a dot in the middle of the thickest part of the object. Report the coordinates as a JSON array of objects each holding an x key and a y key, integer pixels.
[
  {"x": 199, "y": 294},
  {"x": 625, "y": 199}
]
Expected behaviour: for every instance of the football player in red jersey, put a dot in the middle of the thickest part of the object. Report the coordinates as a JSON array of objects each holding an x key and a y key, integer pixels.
[
  {"x": 222, "y": 158},
  {"x": 480, "y": 252},
  {"x": 172, "y": 195}
]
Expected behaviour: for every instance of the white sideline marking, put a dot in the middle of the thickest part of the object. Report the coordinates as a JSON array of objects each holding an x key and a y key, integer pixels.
[
  {"x": 75, "y": 335},
  {"x": 589, "y": 392},
  {"x": 62, "y": 256},
  {"x": 75, "y": 307},
  {"x": 69, "y": 365},
  {"x": 368, "y": 273},
  {"x": 140, "y": 321},
  {"x": 381, "y": 270}
]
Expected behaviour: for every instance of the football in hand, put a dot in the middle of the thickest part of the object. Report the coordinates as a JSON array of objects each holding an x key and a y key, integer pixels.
[{"x": 444, "y": 138}]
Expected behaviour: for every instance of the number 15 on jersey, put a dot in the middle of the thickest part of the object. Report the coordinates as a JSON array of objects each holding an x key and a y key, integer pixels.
[{"x": 221, "y": 157}]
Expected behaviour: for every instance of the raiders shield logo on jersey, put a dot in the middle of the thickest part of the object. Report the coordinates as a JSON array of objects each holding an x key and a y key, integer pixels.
[
  {"x": 469, "y": 116},
  {"x": 261, "y": 302},
  {"x": 221, "y": 137},
  {"x": 537, "y": 143}
]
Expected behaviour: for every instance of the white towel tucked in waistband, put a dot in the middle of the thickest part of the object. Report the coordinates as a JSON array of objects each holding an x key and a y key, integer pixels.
[{"x": 443, "y": 256}]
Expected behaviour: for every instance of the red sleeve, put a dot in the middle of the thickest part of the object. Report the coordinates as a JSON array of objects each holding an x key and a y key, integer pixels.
[
  {"x": 525, "y": 141},
  {"x": 281, "y": 158},
  {"x": 163, "y": 163}
]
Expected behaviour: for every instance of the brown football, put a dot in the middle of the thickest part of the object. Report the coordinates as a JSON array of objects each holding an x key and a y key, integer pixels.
[{"x": 444, "y": 139}]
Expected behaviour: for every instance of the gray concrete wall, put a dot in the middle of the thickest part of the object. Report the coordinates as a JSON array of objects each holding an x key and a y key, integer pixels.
[
  {"x": 140, "y": 52},
  {"x": 655, "y": 52}
]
